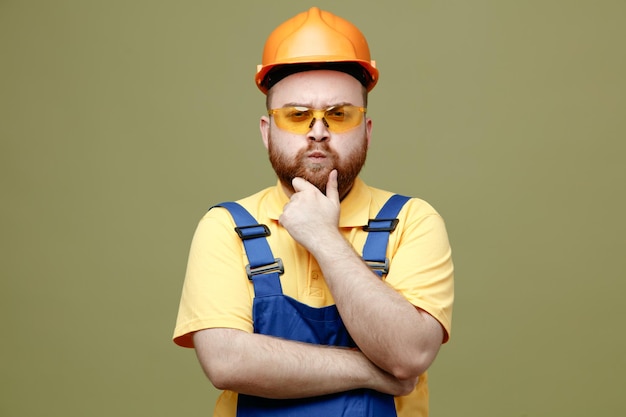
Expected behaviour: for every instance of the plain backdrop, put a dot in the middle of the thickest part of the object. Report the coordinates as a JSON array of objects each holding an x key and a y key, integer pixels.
[{"x": 122, "y": 121}]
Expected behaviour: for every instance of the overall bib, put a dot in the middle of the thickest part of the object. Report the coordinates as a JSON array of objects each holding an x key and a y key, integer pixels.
[{"x": 276, "y": 314}]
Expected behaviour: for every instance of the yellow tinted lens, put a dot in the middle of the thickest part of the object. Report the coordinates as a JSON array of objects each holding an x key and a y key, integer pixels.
[
  {"x": 293, "y": 119},
  {"x": 300, "y": 119},
  {"x": 297, "y": 115},
  {"x": 343, "y": 118}
]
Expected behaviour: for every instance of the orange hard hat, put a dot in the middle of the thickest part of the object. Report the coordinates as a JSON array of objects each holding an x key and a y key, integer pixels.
[{"x": 311, "y": 39}]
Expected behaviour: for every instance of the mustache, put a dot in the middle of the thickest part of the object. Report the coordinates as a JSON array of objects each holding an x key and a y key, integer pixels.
[{"x": 318, "y": 147}]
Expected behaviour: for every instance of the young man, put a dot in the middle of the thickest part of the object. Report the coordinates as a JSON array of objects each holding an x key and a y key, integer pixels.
[{"x": 333, "y": 324}]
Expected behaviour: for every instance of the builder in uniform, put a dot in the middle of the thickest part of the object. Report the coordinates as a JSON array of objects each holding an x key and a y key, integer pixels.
[{"x": 318, "y": 330}]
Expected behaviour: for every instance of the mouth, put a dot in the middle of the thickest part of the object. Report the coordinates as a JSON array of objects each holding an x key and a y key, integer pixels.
[{"x": 316, "y": 156}]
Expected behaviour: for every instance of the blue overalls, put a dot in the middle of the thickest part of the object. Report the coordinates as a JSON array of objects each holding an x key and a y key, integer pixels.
[{"x": 276, "y": 314}]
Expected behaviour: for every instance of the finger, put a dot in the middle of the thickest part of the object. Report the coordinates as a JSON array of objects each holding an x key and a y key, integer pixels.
[
  {"x": 300, "y": 184},
  {"x": 331, "y": 187}
]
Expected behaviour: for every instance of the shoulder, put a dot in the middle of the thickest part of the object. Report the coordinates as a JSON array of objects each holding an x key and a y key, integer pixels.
[
  {"x": 414, "y": 207},
  {"x": 253, "y": 204}
]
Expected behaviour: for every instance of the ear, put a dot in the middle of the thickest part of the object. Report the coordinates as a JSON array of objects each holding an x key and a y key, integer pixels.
[
  {"x": 368, "y": 130},
  {"x": 264, "y": 127}
]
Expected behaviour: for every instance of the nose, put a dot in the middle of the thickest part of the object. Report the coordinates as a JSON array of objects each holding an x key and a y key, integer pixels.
[{"x": 319, "y": 130}]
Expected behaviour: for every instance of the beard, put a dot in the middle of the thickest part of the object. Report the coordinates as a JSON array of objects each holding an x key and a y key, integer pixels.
[{"x": 287, "y": 168}]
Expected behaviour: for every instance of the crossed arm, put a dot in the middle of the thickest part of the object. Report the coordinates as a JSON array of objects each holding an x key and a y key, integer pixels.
[
  {"x": 270, "y": 367},
  {"x": 397, "y": 341}
]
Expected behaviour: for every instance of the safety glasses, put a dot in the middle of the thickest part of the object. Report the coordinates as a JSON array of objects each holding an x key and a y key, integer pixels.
[{"x": 301, "y": 119}]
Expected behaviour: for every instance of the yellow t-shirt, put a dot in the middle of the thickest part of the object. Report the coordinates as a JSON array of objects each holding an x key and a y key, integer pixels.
[{"x": 218, "y": 293}]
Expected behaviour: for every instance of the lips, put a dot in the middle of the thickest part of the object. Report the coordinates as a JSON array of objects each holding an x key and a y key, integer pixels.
[{"x": 316, "y": 155}]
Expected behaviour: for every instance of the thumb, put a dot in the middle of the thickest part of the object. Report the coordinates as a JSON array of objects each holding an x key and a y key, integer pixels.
[{"x": 331, "y": 187}]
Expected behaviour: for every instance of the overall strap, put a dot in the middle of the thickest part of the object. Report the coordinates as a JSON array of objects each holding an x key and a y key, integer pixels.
[
  {"x": 263, "y": 269},
  {"x": 375, "y": 248}
]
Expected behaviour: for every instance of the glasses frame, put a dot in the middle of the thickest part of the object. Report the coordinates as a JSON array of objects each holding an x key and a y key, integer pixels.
[{"x": 317, "y": 114}]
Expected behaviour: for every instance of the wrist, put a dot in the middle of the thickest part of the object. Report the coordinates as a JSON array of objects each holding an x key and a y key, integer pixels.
[{"x": 329, "y": 245}]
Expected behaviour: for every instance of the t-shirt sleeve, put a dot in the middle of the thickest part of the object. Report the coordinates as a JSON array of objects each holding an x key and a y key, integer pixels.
[
  {"x": 421, "y": 266},
  {"x": 216, "y": 290}
]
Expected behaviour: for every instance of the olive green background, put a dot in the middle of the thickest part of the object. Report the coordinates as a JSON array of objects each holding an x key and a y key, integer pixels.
[{"x": 122, "y": 121}]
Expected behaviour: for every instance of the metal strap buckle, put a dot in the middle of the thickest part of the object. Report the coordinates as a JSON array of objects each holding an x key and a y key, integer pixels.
[
  {"x": 379, "y": 266},
  {"x": 276, "y": 266}
]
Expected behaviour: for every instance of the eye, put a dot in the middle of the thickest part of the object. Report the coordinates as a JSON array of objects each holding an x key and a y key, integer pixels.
[
  {"x": 336, "y": 113},
  {"x": 298, "y": 113}
]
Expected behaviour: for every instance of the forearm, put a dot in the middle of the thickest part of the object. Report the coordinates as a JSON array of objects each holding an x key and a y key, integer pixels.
[
  {"x": 275, "y": 368},
  {"x": 391, "y": 332},
  {"x": 395, "y": 335}
]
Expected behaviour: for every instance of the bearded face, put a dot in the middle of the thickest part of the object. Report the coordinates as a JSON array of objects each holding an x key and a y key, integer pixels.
[
  {"x": 312, "y": 155},
  {"x": 315, "y": 162}
]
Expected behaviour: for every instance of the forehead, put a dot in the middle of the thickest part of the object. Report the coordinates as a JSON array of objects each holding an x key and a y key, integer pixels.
[{"x": 318, "y": 88}]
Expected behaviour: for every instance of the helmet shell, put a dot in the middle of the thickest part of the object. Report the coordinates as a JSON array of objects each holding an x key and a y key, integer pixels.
[{"x": 316, "y": 37}]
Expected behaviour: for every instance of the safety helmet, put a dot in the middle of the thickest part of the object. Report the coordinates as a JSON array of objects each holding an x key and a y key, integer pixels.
[{"x": 311, "y": 39}]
